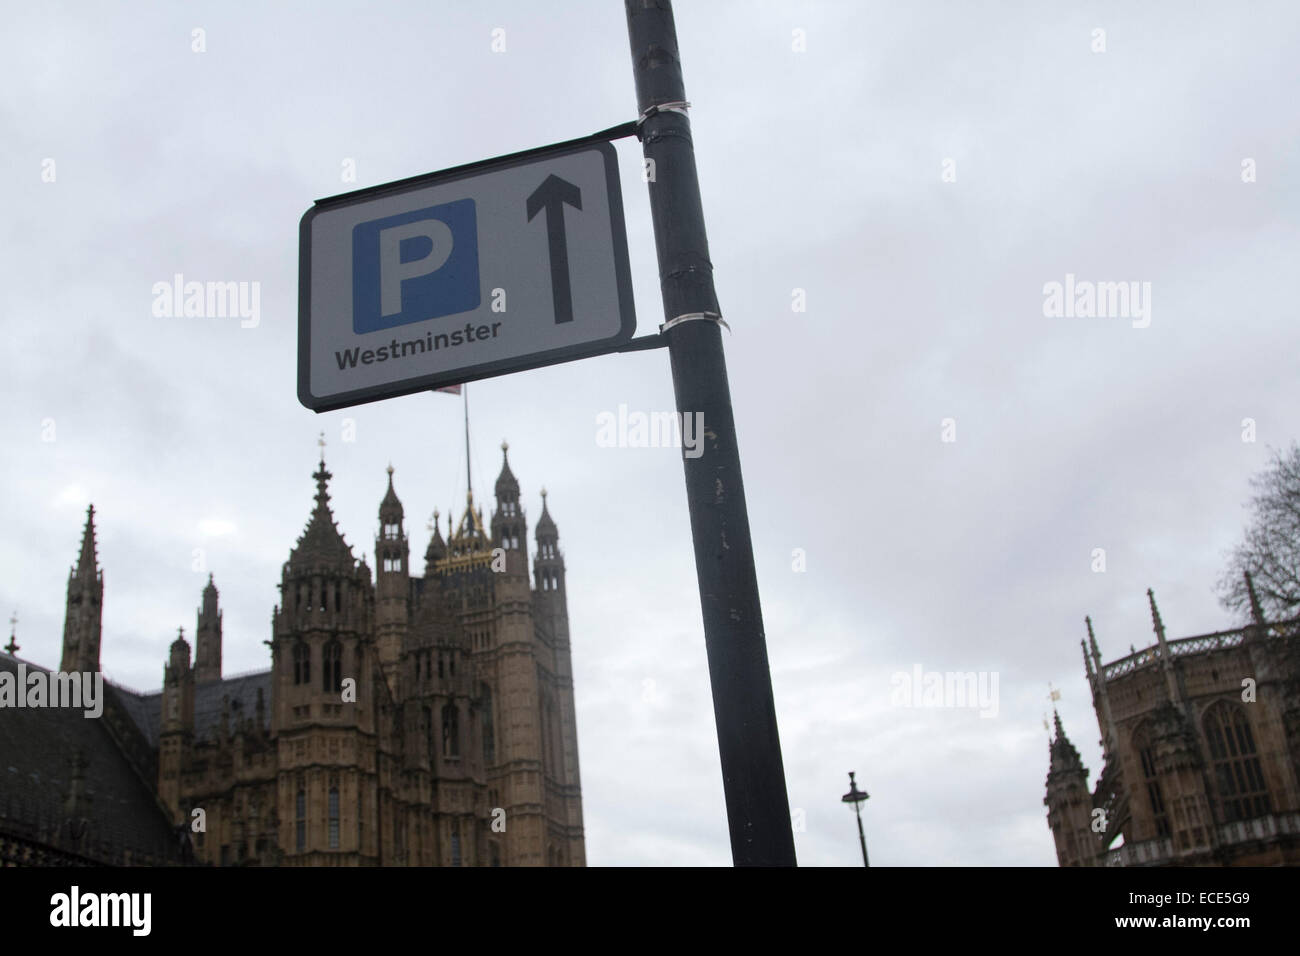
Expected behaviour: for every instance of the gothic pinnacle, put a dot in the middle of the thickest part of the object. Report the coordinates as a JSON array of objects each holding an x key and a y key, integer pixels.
[
  {"x": 87, "y": 560},
  {"x": 1157, "y": 624},
  {"x": 1256, "y": 612}
]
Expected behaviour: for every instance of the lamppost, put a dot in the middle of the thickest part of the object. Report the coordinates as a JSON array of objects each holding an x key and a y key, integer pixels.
[{"x": 857, "y": 798}]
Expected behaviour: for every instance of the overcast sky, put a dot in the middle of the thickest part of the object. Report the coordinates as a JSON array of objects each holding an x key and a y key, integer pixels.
[{"x": 822, "y": 170}]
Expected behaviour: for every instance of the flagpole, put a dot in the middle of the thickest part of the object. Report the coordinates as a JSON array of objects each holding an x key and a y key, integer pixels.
[{"x": 469, "y": 484}]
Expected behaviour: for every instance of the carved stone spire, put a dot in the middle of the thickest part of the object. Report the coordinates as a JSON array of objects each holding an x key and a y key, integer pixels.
[{"x": 321, "y": 544}]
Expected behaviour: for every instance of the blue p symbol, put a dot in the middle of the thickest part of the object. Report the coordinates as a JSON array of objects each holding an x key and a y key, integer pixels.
[{"x": 415, "y": 266}]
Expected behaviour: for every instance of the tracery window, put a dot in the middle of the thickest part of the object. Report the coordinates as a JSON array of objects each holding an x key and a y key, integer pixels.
[
  {"x": 301, "y": 663},
  {"x": 450, "y": 732},
  {"x": 489, "y": 732},
  {"x": 1151, "y": 777},
  {"x": 1242, "y": 792},
  {"x": 427, "y": 723},
  {"x": 332, "y": 667}
]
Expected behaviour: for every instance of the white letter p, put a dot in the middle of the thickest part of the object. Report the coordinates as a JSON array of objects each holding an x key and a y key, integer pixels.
[{"x": 393, "y": 272}]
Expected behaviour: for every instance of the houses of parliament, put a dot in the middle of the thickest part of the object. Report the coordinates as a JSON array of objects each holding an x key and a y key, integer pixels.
[
  {"x": 406, "y": 719},
  {"x": 1200, "y": 741}
]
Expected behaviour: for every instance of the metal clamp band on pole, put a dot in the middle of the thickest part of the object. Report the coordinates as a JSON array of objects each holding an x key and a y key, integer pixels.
[
  {"x": 694, "y": 317},
  {"x": 676, "y": 106}
]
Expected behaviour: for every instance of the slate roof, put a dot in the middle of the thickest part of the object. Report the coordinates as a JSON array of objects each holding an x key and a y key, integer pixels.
[
  {"x": 37, "y": 748},
  {"x": 146, "y": 709}
]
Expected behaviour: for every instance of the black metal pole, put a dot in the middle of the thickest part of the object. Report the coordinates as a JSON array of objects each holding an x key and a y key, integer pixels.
[
  {"x": 753, "y": 778},
  {"x": 862, "y": 837}
]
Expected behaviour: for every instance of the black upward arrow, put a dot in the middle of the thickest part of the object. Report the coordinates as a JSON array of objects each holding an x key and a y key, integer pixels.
[{"x": 551, "y": 195}]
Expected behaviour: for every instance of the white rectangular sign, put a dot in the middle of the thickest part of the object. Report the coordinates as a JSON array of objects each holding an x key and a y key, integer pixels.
[{"x": 476, "y": 271}]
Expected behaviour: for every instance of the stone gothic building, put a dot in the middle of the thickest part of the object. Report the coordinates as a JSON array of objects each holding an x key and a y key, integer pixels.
[
  {"x": 406, "y": 719},
  {"x": 1201, "y": 748}
]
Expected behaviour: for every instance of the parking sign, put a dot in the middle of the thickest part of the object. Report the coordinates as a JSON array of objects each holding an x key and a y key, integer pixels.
[{"x": 476, "y": 271}]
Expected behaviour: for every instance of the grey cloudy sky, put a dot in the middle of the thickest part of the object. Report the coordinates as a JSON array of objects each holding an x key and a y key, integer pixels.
[{"x": 821, "y": 171}]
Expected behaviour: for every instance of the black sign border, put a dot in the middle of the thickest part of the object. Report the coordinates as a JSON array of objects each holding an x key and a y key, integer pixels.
[{"x": 409, "y": 386}]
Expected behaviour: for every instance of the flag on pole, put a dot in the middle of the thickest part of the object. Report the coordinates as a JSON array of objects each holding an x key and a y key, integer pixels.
[{"x": 462, "y": 391}]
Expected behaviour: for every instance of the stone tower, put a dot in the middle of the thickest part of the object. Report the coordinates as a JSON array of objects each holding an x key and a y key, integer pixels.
[
  {"x": 558, "y": 715},
  {"x": 452, "y": 628},
  {"x": 1069, "y": 804},
  {"x": 83, "y": 621},
  {"x": 517, "y": 659},
  {"x": 176, "y": 732},
  {"x": 323, "y": 635},
  {"x": 393, "y": 584},
  {"x": 1169, "y": 757},
  {"x": 207, "y": 648}
]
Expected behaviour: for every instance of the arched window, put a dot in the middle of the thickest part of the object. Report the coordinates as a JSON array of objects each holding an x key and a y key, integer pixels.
[
  {"x": 426, "y": 716},
  {"x": 332, "y": 667},
  {"x": 334, "y": 818},
  {"x": 450, "y": 732},
  {"x": 1242, "y": 792},
  {"x": 555, "y": 759},
  {"x": 300, "y": 815},
  {"x": 301, "y": 663},
  {"x": 1151, "y": 778},
  {"x": 545, "y": 731},
  {"x": 489, "y": 732}
]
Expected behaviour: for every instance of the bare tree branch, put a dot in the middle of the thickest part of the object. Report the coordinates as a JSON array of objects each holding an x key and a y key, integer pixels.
[{"x": 1270, "y": 549}]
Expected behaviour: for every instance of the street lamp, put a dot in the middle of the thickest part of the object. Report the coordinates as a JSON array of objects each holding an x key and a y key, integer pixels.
[{"x": 857, "y": 798}]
